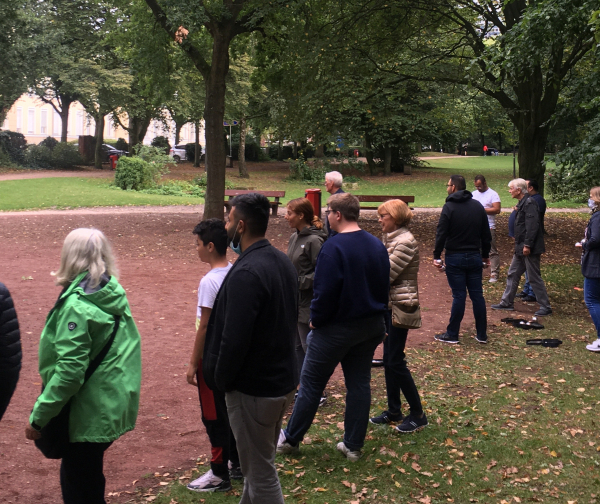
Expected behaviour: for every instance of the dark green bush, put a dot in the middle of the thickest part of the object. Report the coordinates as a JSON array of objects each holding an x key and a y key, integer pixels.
[
  {"x": 38, "y": 156},
  {"x": 49, "y": 142},
  {"x": 66, "y": 155},
  {"x": 133, "y": 173},
  {"x": 300, "y": 170},
  {"x": 190, "y": 151},
  {"x": 162, "y": 143},
  {"x": 121, "y": 144},
  {"x": 13, "y": 144}
]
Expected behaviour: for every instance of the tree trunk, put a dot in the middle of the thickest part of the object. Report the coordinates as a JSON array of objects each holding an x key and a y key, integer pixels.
[
  {"x": 242, "y": 149},
  {"x": 178, "y": 127},
  {"x": 137, "y": 129},
  {"x": 532, "y": 146},
  {"x": 320, "y": 152},
  {"x": 64, "y": 120},
  {"x": 99, "y": 140},
  {"x": 279, "y": 151},
  {"x": 295, "y": 150},
  {"x": 196, "y": 144},
  {"x": 387, "y": 160}
]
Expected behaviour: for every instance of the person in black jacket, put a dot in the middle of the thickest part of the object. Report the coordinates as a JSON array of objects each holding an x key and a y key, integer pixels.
[
  {"x": 463, "y": 230},
  {"x": 249, "y": 351},
  {"x": 590, "y": 265},
  {"x": 529, "y": 246},
  {"x": 10, "y": 349}
]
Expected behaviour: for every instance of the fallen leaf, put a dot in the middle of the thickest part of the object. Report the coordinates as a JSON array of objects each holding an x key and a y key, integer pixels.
[
  {"x": 493, "y": 463},
  {"x": 416, "y": 467}
]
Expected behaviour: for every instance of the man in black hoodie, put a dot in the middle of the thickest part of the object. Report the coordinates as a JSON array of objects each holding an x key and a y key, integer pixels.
[
  {"x": 10, "y": 348},
  {"x": 463, "y": 230}
]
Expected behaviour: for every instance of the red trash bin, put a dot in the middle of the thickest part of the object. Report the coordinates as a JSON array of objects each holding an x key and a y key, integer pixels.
[
  {"x": 314, "y": 196},
  {"x": 113, "y": 161},
  {"x": 355, "y": 152}
]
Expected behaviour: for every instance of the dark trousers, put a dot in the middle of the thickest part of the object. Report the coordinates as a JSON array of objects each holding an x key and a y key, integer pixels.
[
  {"x": 81, "y": 473},
  {"x": 591, "y": 295},
  {"x": 216, "y": 422},
  {"x": 464, "y": 273},
  {"x": 352, "y": 344},
  {"x": 8, "y": 384},
  {"x": 397, "y": 374}
]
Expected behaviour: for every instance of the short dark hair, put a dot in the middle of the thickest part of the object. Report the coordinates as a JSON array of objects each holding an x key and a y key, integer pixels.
[
  {"x": 346, "y": 204},
  {"x": 458, "y": 181},
  {"x": 253, "y": 209},
  {"x": 481, "y": 178},
  {"x": 212, "y": 230},
  {"x": 534, "y": 184}
]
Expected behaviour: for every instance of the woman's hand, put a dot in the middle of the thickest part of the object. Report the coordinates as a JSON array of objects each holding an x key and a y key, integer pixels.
[
  {"x": 191, "y": 374},
  {"x": 31, "y": 433}
]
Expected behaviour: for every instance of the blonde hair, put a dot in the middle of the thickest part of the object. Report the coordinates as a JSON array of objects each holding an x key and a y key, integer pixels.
[
  {"x": 518, "y": 183},
  {"x": 398, "y": 210},
  {"x": 85, "y": 249},
  {"x": 595, "y": 194}
]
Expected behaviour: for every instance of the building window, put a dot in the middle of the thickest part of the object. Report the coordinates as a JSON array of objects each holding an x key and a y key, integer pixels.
[
  {"x": 44, "y": 121},
  {"x": 56, "y": 125},
  {"x": 19, "y": 120},
  {"x": 31, "y": 121}
]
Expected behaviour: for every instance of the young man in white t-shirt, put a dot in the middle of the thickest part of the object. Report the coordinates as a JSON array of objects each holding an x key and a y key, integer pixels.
[
  {"x": 491, "y": 202},
  {"x": 211, "y": 244}
]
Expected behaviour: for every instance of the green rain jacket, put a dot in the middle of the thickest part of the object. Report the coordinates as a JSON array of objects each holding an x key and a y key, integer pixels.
[{"x": 77, "y": 328}]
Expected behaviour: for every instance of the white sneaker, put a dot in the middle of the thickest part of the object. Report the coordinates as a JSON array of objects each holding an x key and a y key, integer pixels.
[
  {"x": 493, "y": 279},
  {"x": 208, "y": 482},
  {"x": 352, "y": 456},
  {"x": 283, "y": 446},
  {"x": 594, "y": 347}
]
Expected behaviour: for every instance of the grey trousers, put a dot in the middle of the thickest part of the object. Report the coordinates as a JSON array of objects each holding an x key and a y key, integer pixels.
[
  {"x": 494, "y": 257},
  {"x": 256, "y": 423},
  {"x": 518, "y": 266}
]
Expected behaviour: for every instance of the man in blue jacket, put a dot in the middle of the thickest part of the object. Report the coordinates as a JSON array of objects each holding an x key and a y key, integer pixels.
[{"x": 351, "y": 288}]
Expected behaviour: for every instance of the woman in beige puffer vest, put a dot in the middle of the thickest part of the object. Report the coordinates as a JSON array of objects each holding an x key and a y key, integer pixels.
[{"x": 394, "y": 216}]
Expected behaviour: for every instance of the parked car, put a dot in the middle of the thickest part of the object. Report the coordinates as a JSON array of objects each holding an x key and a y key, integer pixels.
[
  {"x": 109, "y": 150},
  {"x": 177, "y": 152}
]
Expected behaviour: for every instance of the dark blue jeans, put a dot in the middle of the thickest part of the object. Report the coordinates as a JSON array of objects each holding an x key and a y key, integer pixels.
[
  {"x": 464, "y": 273},
  {"x": 352, "y": 344},
  {"x": 591, "y": 295},
  {"x": 527, "y": 289}
]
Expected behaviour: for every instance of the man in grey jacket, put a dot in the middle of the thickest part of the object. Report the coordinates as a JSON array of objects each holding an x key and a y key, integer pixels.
[{"x": 529, "y": 246}]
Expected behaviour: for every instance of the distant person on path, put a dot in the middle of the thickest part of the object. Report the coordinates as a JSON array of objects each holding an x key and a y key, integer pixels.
[
  {"x": 250, "y": 340},
  {"x": 211, "y": 245},
  {"x": 529, "y": 246},
  {"x": 351, "y": 294},
  {"x": 403, "y": 251},
  {"x": 485, "y": 150},
  {"x": 10, "y": 348},
  {"x": 91, "y": 308},
  {"x": 491, "y": 203},
  {"x": 333, "y": 185},
  {"x": 590, "y": 265},
  {"x": 464, "y": 231}
]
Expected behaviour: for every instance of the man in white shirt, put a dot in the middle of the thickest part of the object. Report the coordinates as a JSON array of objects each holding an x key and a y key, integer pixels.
[{"x": 491, "y": 202}]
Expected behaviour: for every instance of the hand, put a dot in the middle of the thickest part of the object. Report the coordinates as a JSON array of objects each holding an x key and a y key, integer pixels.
[
  {"x": 486, "y": 263},
  {"x": 438, "y": 263},
  {"x": 578, "y": 245},
  {"x": 526, "y": 250},
  {"x": 191, "y": 374},
  {"x": 310, "y": 324},
  {"x": 31, "y": 433}
]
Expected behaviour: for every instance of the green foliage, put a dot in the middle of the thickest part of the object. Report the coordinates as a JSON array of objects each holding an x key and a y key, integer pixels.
[
  {"x": 38, "y": 156},
  {"x": 190, "y": 151},
  {"x": 178, "y": 188},
  {"x": 201, "y": 181},
  {"x": 14, "y": 145},
  {"x": 154, "y": 156},
  {"x": 66, "y": 155},
  {"x": 161, "y": 142},
  {"x": 135, "y": 174},
  {"x": 302, "y": 171},
  {"x": 121, "y": 144},
  {"x": 49, "y": 142}
]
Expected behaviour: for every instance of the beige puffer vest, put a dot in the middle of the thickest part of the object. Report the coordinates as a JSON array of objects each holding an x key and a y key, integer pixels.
[{"x": 404, "y": 267}]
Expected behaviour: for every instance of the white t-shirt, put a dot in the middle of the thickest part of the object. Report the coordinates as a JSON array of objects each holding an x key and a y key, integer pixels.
[
  {"x": 487, "y": 199},
  {"x": 209, "y": 287}
]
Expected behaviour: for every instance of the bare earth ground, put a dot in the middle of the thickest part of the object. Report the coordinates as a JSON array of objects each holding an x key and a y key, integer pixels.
[{"x": 160, "y": 271}]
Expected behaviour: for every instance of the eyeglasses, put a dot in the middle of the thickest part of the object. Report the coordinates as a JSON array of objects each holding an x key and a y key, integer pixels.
[{"x": 327, "y": 212}]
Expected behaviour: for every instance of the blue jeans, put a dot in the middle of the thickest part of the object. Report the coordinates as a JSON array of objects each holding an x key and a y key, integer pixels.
[
  {"x": 591, "y": 296},
  {"x": 464, "y": 272},
  {"x": 352, "y": 344},
  {"x": 527, "y": 289}
]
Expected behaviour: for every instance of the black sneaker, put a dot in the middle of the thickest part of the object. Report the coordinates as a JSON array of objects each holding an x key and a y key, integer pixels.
[
  {"x": 543, "y": 312},
  {"x": 529, "y": 299},
  {"x": 521, "y": 294},
  {"x": 235, "y": 473},
  {"x": 323, "y": 400},
  {"x": 482, "y": 340},
  {"x": 501, "y": 306},
  {"x": 377, "y": 363},
  {"x": 445, "y": 338},
  {"x": 385, "y": 418},
  {"x": 412, "y": 424}
]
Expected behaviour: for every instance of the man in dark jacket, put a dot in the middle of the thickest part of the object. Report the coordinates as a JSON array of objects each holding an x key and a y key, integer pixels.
[
  {"x": 10, "y": 349},
  {"x": 529, "y": 246},
  {"x": 463, "y": 230},
  {"x": 250, "y": 340}
]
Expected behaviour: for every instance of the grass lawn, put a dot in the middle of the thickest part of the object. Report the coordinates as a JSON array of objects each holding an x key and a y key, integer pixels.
[{"x": 508, "y": 423}]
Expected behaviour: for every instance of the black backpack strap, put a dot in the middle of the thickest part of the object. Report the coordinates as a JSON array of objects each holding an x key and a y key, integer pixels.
[{"x": 100, "y": 357}]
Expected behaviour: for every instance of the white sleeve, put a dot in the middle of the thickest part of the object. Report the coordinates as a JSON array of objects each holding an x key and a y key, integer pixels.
[{"x": 207, "y": 292}]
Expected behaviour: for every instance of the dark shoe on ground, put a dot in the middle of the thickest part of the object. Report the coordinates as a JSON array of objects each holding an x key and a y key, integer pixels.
[
  {"x": 385, "y": 418},
  {"x": 481, "y": 339},
  {"x": 323, "y": 400},
  {"x": 501, "y": 306},
  {"x": 208, "y": 482},
  {"x": 445, "y": 338},
  {"x": 235, "y": 473},
  {"x": 521, "y": 294},
  {"x": 529, "y": 299},
  {"x": 412, "y": 424},
  {"x": 377, "y": 363},
  {"x": 543, "y": 312},
  {"x": 352, "y": 456}
]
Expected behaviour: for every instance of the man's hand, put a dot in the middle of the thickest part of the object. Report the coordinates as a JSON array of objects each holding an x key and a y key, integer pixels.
[
  {"x": 486, "y": 262},
  {"x": 526, "y": 250},
  {"x": 438, "y": 263},
  {"x": 191, "y": 374},
  {"x": 31, "y": 433}
]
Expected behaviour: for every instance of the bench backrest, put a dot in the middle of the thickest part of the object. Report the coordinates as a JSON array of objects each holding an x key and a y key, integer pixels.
[
  {"x": 380, "y": 199},
  {"x": 268, "y": 194}
]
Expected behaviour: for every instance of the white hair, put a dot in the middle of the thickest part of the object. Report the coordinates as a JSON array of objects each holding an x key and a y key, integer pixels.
[
  {"x": 519, "y": 183},
  {"x": 85, "y": 249},
  {"x": 335, "y": 177}
]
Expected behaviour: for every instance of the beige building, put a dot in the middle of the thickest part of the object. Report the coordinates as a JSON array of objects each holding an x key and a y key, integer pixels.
[{"x": 38, "y": 120}]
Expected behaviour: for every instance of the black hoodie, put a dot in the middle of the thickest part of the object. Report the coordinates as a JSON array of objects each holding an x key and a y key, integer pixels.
[{"x": 463, "y": 227}]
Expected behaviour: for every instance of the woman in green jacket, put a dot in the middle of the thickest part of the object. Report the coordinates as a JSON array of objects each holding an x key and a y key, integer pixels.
[{"x": 77, "y": 329}]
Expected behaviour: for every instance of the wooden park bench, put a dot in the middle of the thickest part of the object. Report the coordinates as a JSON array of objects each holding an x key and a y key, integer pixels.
[
  {"x": 380, "y": 199},
  {"x": 232, "y": 193}
]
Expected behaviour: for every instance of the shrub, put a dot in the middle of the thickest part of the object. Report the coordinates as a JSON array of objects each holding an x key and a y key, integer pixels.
[
  {"x": 66, "y": 155},
  {"x": 121, "y": 144},
  {"x": 49, "y": 142},
  {"x": 201, "y": 181},
  {"x": 177, "y": 188},
  {"x": 154, "y": 156},
  {"x": 38, "y": 156},
  {"x": 13, "y": 144},
  {"x": 302, "y": 171},
  {"x": 162, "y": 143},
  {"x": 134, "y": 174},
  {"x": 190, "y": 151}
]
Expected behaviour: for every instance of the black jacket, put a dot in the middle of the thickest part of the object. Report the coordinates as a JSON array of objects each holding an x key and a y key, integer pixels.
[
  {"x": 10, "y": 348},
  {"x": 528, "y": 227},
  {"x": 463, "y": 227},
  {"x": 590, "y": 260},
  {"x": 251, "y": 334}
]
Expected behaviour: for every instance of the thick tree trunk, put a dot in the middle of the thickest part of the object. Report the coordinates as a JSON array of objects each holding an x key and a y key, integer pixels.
[
  {"x": 320, "y": 152},
  {"x": 242, "y": 149},
  {"x": 137, "y": 129},
  {"x": 280, "y": 150},
  {"x": 99, "y": 140},
  {"x": 178, "y": 127},
  {"x": 196, "y": 144},
  {"x": 532, "y": 146},
  {"x": 64, "y": 120},
  {"x": 295, "y": 150},
  {"x": 387, "y": 160}
]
